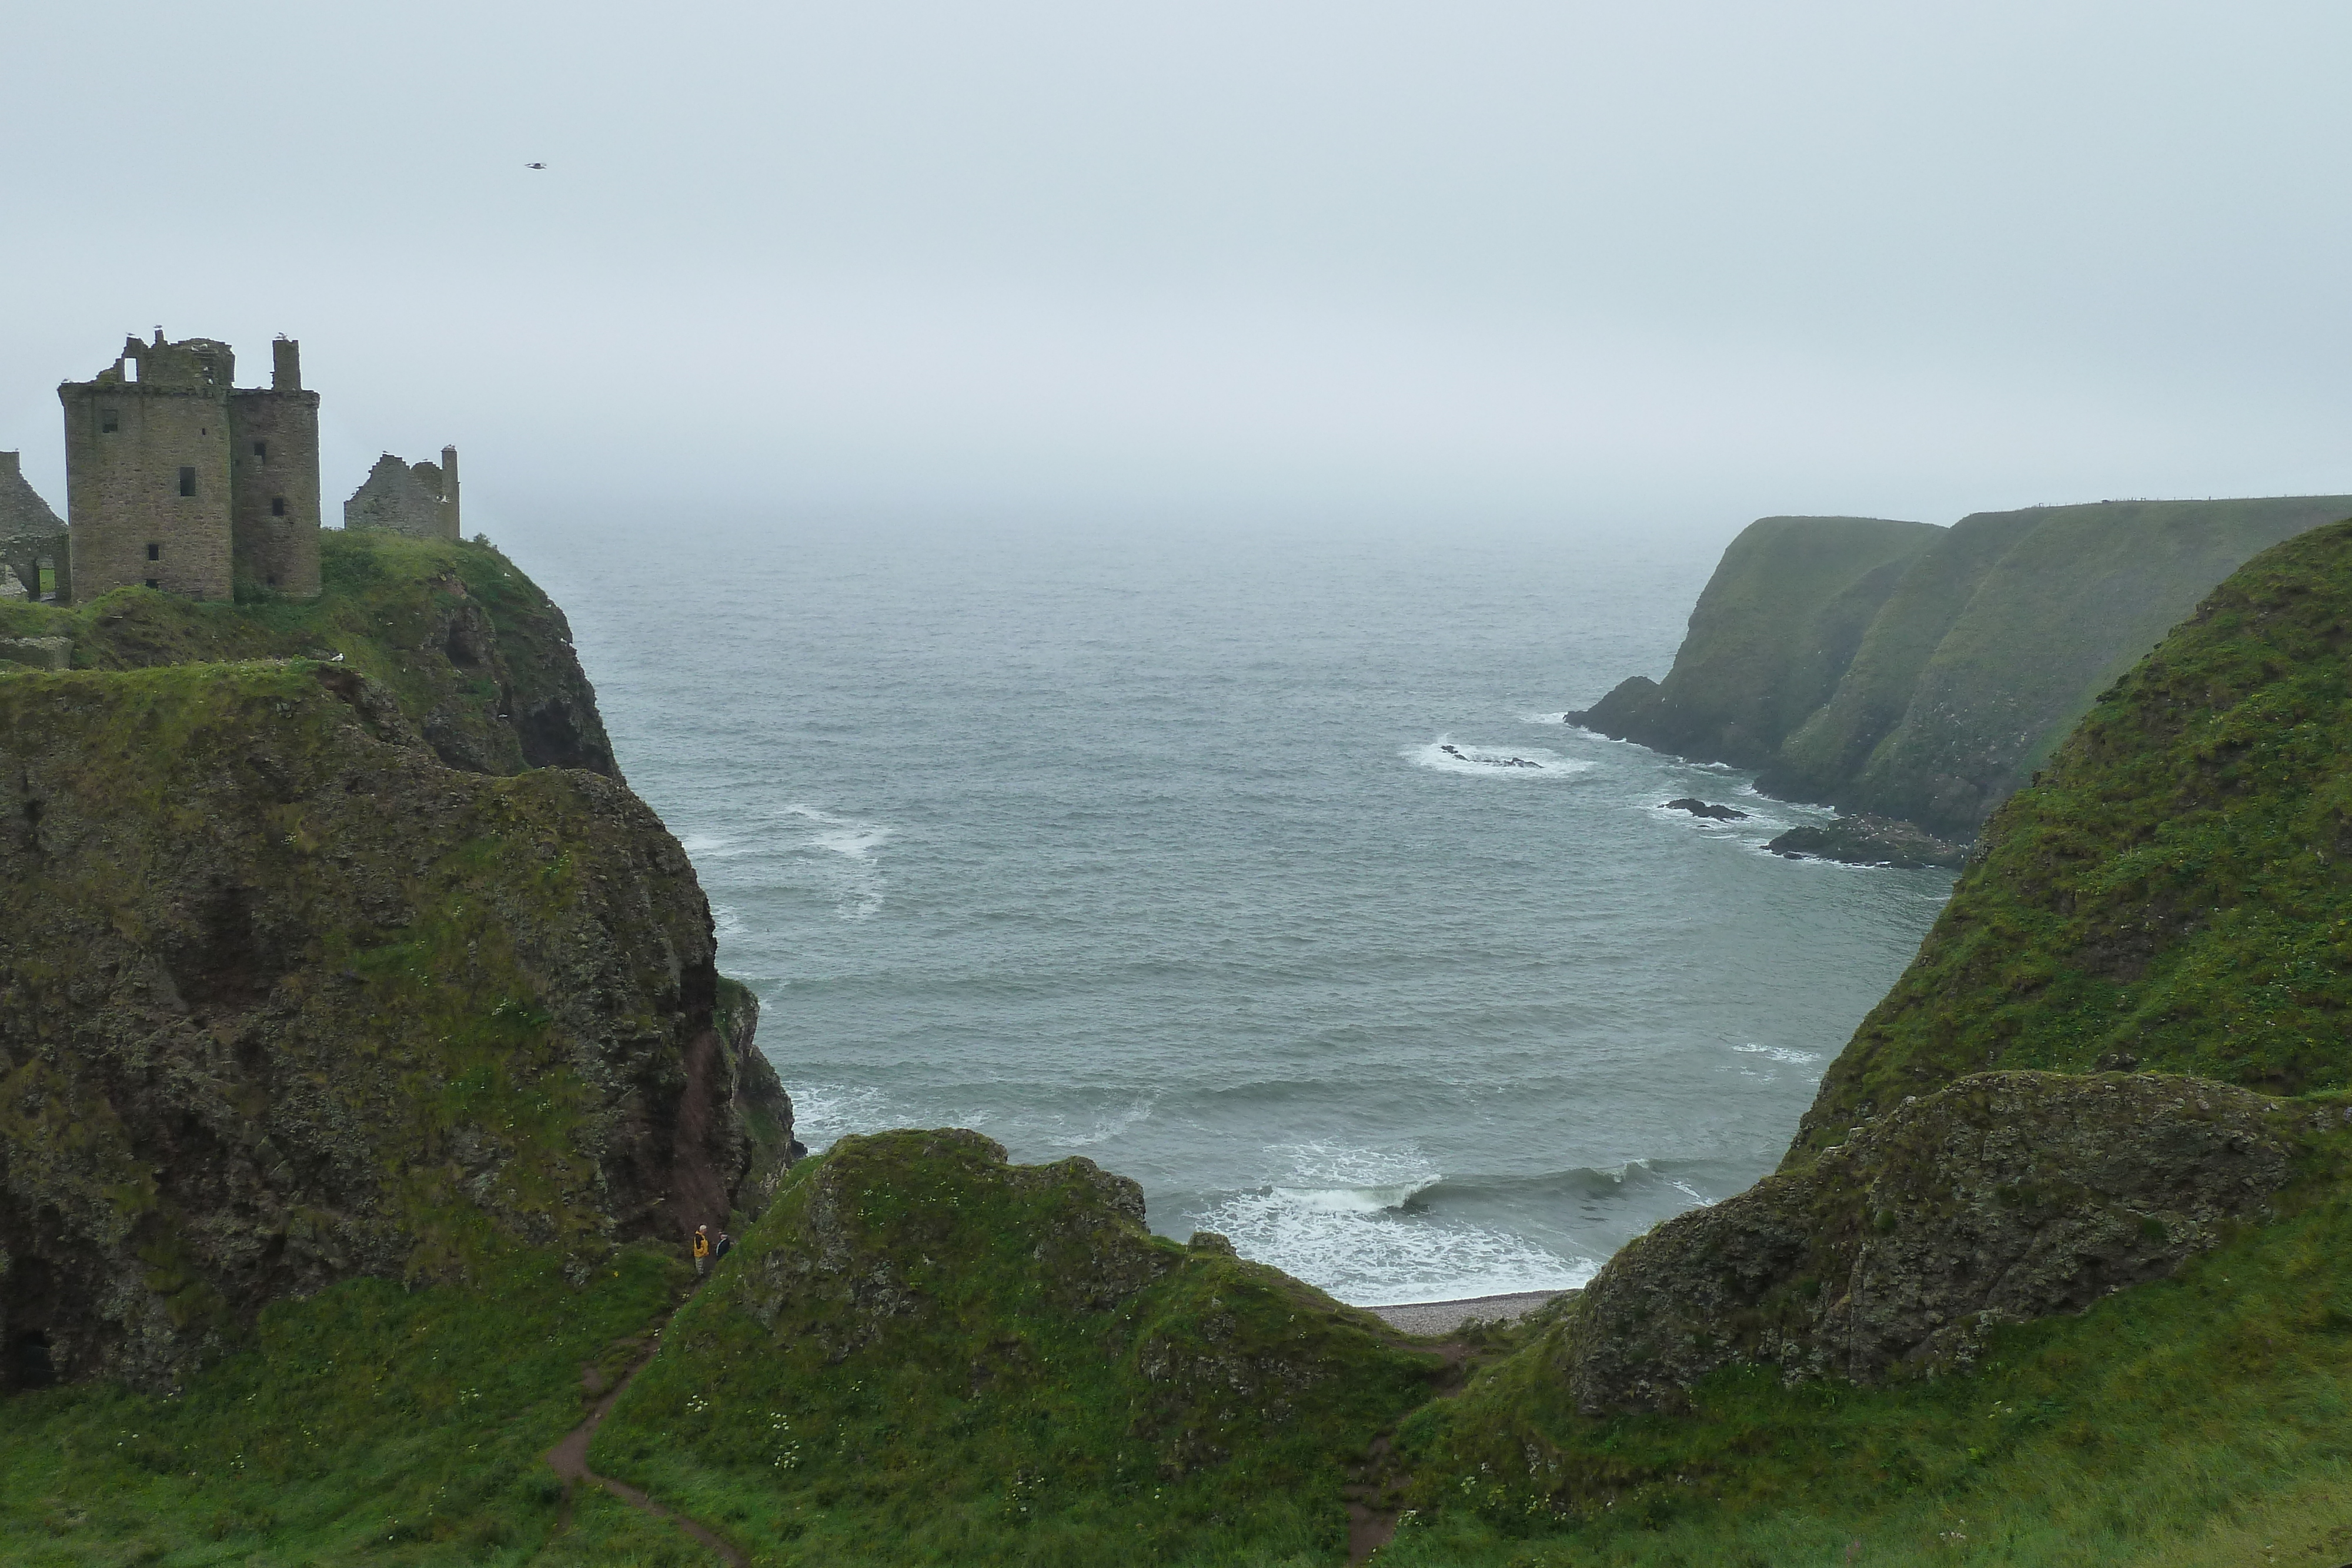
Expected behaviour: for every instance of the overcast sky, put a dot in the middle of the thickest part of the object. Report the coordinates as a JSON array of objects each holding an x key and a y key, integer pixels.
[{"x": 1659, "y": 265}]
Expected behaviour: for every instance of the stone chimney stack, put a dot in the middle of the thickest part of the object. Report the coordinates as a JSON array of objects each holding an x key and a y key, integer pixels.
[
  {"x": 11, "y": 464},
  {"x": 286, "y": 365},
  {"x": 449, "y": 494}
]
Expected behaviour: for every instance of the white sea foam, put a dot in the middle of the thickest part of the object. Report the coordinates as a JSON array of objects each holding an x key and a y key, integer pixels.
[
  {"x": 727, "y": 920},
  {"x": 1779, "y": 1054},
  {"x": 1543, "y": 718},
  {"x": 841, "y": 835},
  {"x": 1373, "y": 1255},
  {"x": 822, "y": 1112},
  {"x": 1496, "y": 762},
  {"x": 1340, "y": 1220},
  {"x": 701, "y": 843},
  {"x": 1337, "y": 1178},
  {"x": 1107, "y": 1127},
  {"x": 846, "y": 851}
]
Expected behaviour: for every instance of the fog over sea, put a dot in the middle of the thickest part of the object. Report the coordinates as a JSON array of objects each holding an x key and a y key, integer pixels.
[{"x": 1147, "y": 849}]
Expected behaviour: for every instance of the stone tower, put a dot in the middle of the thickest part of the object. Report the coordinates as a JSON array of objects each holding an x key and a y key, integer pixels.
[{"x": 179, "y": 480}]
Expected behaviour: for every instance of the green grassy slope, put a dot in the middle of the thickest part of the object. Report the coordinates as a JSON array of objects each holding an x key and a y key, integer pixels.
[
  {"x": 2172, "y": 892},
  {"x": 2000, "y": 636},
  {"x": 923, "y": 1355},
  {"x": 369, "y": 1424},
  {"x": 2206, "y": 1419},
  {"x": 1769, "y": 639}
]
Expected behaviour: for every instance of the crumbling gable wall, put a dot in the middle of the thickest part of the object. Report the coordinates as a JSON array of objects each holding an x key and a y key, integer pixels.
[
  {"x": 30, "y": 533},
  {"x": 417, "y": 499}
]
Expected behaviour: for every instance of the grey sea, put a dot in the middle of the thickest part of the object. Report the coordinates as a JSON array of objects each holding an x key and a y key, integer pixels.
[{"x": 1151, "y": 848}]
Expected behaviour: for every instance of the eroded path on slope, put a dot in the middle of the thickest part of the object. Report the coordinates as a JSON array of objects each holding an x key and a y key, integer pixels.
[{"x": 569, "y": 1458}]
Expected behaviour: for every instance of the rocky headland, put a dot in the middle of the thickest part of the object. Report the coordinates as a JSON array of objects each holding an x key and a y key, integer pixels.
[
  {"x": 1921, "y": 673},
  {"x": 294, "y": 991}
]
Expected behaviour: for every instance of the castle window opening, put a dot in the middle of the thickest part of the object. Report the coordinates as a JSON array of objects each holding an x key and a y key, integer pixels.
[
  {"x": 153, "y": 583},
  {"x": 130, "y": 370},
  {"x": 109, "y": 421},
  {"x": 271, "y": 580},
  {"x": 187, "y": 481},
  {"x": 276, "y": 506},
  {"x": 262, "y": 449},
  {"x": 154, "y": 550}
]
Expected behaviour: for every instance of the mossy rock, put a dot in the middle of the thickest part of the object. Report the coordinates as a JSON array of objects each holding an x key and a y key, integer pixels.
[{"x": 2006, "y": 1197}]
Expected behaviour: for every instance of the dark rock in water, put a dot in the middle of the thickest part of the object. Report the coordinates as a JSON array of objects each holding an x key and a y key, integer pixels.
[
  {"x": 1872, "y": 840},
  {"x": 1698, "y": 807},
  {"x": 2004, "y": 1197}
]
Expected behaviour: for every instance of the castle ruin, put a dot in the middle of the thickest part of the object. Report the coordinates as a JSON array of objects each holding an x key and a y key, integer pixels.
[
  {"x": 418, "y": 499},
  {"x": 32, "y": 537},
  {"x": 178, "y": 479}
]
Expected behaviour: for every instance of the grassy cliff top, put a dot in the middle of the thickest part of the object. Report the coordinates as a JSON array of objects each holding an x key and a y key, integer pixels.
[
  {"x": 478, "y": 656},
  {"x": 2172, "y": 892}
]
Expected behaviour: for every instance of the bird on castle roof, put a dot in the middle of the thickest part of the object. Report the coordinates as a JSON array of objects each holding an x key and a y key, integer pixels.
[{"x": 534, "y": 166}]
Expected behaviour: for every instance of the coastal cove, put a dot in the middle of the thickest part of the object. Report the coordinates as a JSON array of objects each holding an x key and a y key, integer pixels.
[{"x": 1148, "y": 850}]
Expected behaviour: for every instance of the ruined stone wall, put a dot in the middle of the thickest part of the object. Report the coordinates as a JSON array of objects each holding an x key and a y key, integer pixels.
[
  {"x": 403, "y": 498},
  {"x": 23, "y": 513},
  {"x": 30, "y": 534},
  {"x": 274, "y": 489},
  {"x": 126, "y": 445}
]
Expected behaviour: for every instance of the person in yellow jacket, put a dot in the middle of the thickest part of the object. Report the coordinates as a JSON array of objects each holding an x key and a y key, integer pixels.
[{"x": 701, "y": 1250}]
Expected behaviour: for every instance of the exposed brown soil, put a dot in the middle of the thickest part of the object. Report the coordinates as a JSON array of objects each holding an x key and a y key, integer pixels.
[
  {"x": 569, "y": 1458},
  {"x": 1372, "y": 1494}
]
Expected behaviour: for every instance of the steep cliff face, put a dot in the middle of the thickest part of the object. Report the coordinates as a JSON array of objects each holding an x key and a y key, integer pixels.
[
  {"x": 285, "y": 998},
  {"x": 477, "y": 656},
  {"x": 1999, "y": 641},
  {"x": 1984, "y": 644},
  {"x": 1773, "y": 632}
]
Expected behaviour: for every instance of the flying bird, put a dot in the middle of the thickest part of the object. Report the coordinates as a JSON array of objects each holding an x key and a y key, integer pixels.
[{"x": 534, "y": 166}]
